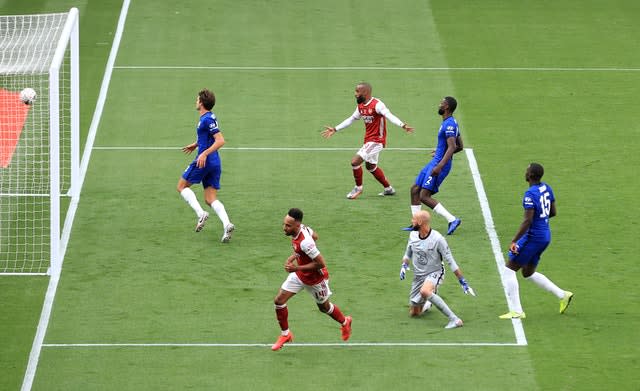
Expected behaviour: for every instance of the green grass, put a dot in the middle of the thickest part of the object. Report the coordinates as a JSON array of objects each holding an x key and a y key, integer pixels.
[{"x": 135, "y": 272}]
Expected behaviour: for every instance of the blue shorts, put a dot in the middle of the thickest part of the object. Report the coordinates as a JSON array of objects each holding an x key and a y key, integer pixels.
[
  {"x": 209, "y": 175},
  {"x": 530, "y": 251},
  {"x": 432, "y": 183}
]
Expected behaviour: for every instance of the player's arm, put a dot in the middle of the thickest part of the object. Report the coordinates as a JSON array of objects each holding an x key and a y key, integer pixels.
[
  {"x": 451, "y": 147},
  {"x": 315, "y": 264},
  {"x": 445, "y": 253},
  {"x": 217, "y": 144},
  {"x": 524, "y": 227},
  {"x": 190, "y": 148},
  {"x": 382, "y": 109},
  {"x": 552, "y": 211},
  {"x": 459, "y": 144},
  {"x": 406, "y": 258},
  {"x": 291, "y": 258},
  {"x": 331, "y": 130}
]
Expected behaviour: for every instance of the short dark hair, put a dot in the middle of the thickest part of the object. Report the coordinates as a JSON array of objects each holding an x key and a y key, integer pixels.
[
  {"x": 536, "y": 171},
  {"x": 207, "y": 98},
  {"x": 451, "y": 102},
  {"x": 296, "y": 214},
  {"x": 365, "y": 84}
]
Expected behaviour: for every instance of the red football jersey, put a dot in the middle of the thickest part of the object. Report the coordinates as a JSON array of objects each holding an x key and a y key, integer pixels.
[
  {"x": 305, "y": 248},
  {"x": 375, "y": 123}
]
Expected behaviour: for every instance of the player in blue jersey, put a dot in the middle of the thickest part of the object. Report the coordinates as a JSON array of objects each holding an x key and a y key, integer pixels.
[
  {"x": 206, "y": 167},
  {"x": 433, "y": 174},
  {"x": 529, "y": 243}
]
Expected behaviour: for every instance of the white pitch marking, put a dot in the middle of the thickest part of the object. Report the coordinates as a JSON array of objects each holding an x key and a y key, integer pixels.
[
  {"x": 521, "y": 339},
  {"x": 419, "y": 69},
  {"x": 235, "y": 345},
  {"x": 319, "y": 149},
  {"x": 45, "y": 315}
]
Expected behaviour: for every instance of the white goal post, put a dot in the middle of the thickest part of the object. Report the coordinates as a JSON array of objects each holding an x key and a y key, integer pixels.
[{"x": 39, "y": 141}]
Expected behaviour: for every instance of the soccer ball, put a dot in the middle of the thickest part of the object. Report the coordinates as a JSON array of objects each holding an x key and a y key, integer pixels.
[{"x": 28, "y": 96}]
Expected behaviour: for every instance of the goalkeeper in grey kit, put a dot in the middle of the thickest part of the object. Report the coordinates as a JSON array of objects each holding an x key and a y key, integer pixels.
[{"x": 426, "y": 249}]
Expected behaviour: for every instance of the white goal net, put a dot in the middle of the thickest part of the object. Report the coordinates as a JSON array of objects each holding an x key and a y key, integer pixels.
[{"x": 39, "y": 140}]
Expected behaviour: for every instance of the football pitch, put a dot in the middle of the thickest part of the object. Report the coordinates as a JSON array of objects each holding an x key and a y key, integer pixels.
[{"x": 145, "y": 303}]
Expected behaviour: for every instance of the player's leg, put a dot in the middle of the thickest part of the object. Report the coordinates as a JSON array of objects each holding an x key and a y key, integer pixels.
[
  {"x": 426, "y": 196},
  {"x": 356, "y": 167},
  {"x": 190, "y": 176},
  {"x": 416, "y": 204},
  {"x": 529, "y": 272},
  {"x": 416, "y": 301},
  {"x": 428, "y": 291},
  {"x": 321, "y": 294},
  {"x": 438, "y": 279},
  {"x": 370, "y": 153},
  {"x": 415, "y": 198},
  {"x": 431, "y": 185},
  {"x": 211, "y": 183},
  {"x": 289, "y": 288},
  {"x": 510, "y": 280}
]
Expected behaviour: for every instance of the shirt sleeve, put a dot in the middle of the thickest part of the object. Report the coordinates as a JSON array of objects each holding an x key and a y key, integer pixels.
[
  {"x": 348, "y": 121},
  {"x": 382, "y": 109},
  {"x": 450, "y": 130},
  {"x": 309, "y": 247},
  {"x": 408, "y": 253},
  {"x": 445, "y": 252},
  {"x": 211, "y": 125},
  {"x": 528, "y": 201}
]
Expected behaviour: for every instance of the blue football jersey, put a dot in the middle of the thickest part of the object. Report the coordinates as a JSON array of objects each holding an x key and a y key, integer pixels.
[
  {"x": 539, "y": 198},
  {"x": 206, "y": 129},
  {"x": 448, "y": 128}
]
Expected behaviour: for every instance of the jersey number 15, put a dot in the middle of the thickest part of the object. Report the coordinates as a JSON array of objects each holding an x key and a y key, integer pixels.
[{"x": 545, "y": 205}]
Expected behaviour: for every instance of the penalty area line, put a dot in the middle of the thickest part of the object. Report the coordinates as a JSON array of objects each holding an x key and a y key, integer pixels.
[
  {"x": 292, "y": 149},
  {"x": 518, "y": 329},
  {"x": 260, "y": 345}
]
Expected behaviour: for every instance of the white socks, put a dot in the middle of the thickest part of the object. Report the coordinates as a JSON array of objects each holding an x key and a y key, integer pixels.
[
  {"x": 439, "y": 209},
  {"x": 221, "y": 212},
  {"x": 513, "y": 290},
  {"x": 543, "y": 282},
  {"x": 191, "y": 199},
  {"x": 442, "y": 306},
  {"x": 415, "y": 209}
]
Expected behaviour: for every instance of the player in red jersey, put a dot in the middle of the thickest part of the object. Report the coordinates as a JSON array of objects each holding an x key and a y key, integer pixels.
[
  {"x": 308, "y": 271},
  {"x": 375, "y": 115}
]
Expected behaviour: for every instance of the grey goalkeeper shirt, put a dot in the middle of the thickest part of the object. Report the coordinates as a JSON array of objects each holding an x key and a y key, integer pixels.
[{"x": 428, "y": 254}]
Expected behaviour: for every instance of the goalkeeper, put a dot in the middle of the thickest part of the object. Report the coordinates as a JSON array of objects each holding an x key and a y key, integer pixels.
[{"x": 426, "y": 249}]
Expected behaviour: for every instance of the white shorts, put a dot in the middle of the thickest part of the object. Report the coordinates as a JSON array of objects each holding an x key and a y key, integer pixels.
[
  {"x": 370, "y": 151},
  {"x": 319, "y": 291},
  {"x": 436, "y": 278}
]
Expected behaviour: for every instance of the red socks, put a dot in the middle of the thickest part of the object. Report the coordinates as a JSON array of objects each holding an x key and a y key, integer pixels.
[
  {"x": 282, "y": 313},
  {"x": 357, "y": 175},
  {"x": 336, "y": 314},
  {"x": 379, "y": 175}
]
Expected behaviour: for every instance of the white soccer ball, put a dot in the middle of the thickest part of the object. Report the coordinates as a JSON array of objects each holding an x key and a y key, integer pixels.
[{"x": 28, "y": 96}]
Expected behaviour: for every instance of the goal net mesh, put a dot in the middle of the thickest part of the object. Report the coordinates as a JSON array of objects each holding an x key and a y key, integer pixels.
[{"x": 27, "y": 47}]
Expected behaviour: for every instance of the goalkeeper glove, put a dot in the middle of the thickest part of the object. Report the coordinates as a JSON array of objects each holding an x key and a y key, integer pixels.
[
  {"x": 465, "y": 287},
  {"x": 403, "y": 270}
]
